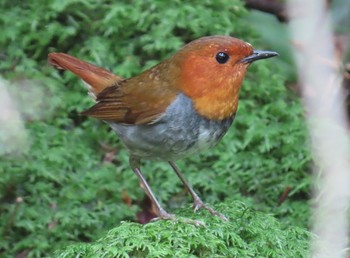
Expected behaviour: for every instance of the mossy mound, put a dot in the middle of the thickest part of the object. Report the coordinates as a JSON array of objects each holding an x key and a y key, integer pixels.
[{"x": 248, "y": 234}]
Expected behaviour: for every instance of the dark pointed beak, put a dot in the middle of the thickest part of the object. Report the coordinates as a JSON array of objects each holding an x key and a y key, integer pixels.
[{"x": 257, "y": 55}]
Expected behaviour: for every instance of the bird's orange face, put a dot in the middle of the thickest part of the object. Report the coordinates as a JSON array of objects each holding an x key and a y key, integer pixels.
[{"x": 211, "y": 73}]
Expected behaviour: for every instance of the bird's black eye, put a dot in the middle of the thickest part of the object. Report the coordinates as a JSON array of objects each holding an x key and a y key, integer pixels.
[{"x": 222, "y": 57}]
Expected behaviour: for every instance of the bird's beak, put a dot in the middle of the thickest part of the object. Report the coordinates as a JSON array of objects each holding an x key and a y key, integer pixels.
[{"x": 258, "y": 54}]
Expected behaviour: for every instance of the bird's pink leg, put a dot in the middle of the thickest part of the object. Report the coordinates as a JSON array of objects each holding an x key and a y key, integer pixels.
[
  {"x": 197, "y": 202},
  {"x": 161, "y": 213}
]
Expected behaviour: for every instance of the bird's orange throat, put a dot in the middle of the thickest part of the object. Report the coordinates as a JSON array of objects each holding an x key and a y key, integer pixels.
[
  {"x": 217, "y": 105},
  {"x": 214, "y": 93}
]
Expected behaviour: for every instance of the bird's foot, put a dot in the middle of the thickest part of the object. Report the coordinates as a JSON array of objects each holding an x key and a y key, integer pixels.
[
  {"x": 163, "y": 215},
  {"x": 194, "y": 222},
  {"x": 199, "y": 204}
]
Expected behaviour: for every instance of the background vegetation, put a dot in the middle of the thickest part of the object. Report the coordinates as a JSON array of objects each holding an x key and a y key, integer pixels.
[{"x": 68, "y": 181}]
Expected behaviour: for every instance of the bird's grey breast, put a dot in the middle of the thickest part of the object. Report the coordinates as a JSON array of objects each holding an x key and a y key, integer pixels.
[{"x": 178, "y": 133}]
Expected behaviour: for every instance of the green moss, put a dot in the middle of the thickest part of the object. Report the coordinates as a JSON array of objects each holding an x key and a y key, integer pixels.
[{"x": 247, "y": 234}]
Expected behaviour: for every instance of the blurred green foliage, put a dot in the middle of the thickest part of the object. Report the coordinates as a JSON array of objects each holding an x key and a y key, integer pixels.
[{"x": 62, "y": 189}]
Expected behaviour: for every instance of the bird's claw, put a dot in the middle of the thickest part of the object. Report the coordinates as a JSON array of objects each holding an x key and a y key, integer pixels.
[
  {"x": 163, "y": 215},
  {"x": 199, "y": 204},
  {"x": 194, "y": 222}
]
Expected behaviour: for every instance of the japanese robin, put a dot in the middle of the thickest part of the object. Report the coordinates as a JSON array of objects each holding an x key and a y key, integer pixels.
[{"x": 177, "y": 108}]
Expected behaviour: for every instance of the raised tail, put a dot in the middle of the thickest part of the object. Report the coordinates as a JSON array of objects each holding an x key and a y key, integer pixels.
[{"x": 96, "y": 78}]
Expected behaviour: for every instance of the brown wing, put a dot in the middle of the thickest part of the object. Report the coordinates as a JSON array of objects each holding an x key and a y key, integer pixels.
[{"x": 139, "y": 100}]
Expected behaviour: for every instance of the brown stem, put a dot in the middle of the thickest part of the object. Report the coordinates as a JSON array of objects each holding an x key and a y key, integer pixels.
[{"x": 269, "y": 6}]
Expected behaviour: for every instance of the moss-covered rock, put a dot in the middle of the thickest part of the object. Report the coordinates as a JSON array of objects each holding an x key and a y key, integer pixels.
[{"x": 247, "y": 234}]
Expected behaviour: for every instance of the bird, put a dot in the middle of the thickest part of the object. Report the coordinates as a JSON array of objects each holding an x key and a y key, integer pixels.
[{"x": 175, "y": 109}]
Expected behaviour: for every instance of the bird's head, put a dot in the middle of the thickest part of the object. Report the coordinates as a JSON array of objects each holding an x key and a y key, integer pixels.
[{"x": 211, "y": 71}]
